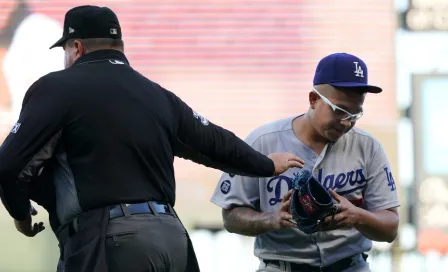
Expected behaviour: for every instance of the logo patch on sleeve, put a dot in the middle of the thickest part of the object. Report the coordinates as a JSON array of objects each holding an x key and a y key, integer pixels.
[
  {"x": 203, "y": 120},
  {"x": 225, "y": 186},
  {"x": 15, "y": 127}
]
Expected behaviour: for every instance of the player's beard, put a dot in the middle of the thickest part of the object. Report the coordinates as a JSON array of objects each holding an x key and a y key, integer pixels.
[
  {"x": 333, "y": 135},
  {"x": 334, "y": 132}
]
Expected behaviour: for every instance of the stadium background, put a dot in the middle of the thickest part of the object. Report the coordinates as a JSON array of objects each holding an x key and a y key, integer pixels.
[{"x": 240, "y": 63}]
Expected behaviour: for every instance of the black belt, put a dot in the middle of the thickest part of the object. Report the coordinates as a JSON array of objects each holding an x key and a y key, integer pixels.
[
  {"x": 150, "y": 207},
  {"x": 335, "y": 267}
]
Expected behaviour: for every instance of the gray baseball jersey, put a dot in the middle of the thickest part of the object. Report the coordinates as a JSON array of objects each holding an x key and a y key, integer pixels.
[{"x": 356, "y": 167}]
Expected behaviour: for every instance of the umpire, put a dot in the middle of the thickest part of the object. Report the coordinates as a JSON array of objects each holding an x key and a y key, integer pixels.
[{"x": 109, "y": 136}]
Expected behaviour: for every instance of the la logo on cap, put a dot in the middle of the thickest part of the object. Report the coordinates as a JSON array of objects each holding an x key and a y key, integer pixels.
[
  {"x": 70, "y": 30},
  {"x": 358, "y": 70},
  {"x": 113, "y": 31}
]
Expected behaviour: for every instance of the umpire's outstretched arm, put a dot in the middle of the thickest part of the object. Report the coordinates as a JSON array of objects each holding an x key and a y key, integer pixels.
[{"x": 203, "y": 142}]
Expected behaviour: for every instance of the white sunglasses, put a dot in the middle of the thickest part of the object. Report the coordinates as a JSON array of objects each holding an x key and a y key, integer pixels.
[{"x": 340, "y": 113}]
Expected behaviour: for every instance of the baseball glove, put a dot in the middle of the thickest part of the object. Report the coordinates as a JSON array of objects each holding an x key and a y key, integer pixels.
[{"x": 310, "y": 203}]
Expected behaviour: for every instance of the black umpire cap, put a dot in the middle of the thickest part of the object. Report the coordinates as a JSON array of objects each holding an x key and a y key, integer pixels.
[{"x": 87, "y": 22}]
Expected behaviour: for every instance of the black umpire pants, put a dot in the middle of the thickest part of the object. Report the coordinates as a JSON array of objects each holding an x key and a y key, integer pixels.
[{"x": 132, "y": 237}]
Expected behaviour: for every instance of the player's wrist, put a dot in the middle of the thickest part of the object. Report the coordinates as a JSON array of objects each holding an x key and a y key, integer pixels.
[
  {"x": 271, "y": 223},
  {"x": 360, "y": 216}
]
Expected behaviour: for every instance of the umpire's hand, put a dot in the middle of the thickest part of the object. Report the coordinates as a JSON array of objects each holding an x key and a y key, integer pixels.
[
  {"x": 26, "y": 226},
  {"x": 284, "y": 161}
]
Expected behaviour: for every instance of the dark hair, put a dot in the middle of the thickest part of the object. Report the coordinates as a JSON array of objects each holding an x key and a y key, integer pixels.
[{"x": 98, "y": 43}]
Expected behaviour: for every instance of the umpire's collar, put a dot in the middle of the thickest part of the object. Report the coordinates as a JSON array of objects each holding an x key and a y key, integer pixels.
[{"x": 100, "y": 55}]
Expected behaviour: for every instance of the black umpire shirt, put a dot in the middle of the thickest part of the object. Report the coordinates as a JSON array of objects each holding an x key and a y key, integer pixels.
[{"x": 111, "y": 136}]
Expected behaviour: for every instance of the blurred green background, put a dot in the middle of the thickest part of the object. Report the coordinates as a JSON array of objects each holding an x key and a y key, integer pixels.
[{"x": 23, "y": 254}]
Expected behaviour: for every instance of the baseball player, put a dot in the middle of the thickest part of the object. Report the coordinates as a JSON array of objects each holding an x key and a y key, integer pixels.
[{"x": 347, "y": 161}]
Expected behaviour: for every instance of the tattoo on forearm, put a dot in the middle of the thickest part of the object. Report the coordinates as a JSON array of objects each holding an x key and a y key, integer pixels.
[{"x": 246, "y": 221}]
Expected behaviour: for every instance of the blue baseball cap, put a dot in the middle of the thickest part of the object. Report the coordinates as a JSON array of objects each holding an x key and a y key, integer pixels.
[{"x": 345, "y": 71}]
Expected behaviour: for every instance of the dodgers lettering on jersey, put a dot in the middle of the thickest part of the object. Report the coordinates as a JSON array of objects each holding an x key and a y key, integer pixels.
[
  {"x": 355, "y": 179},
  {"x": 356, "y": 167}
]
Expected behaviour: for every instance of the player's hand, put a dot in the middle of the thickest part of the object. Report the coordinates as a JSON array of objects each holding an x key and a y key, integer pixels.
[
  {"x": 347, "y": 214},
  {"x": 284, "y": 161},
  {"x": 26, "y": 226},
  {"x": 282, "y": 218}
]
